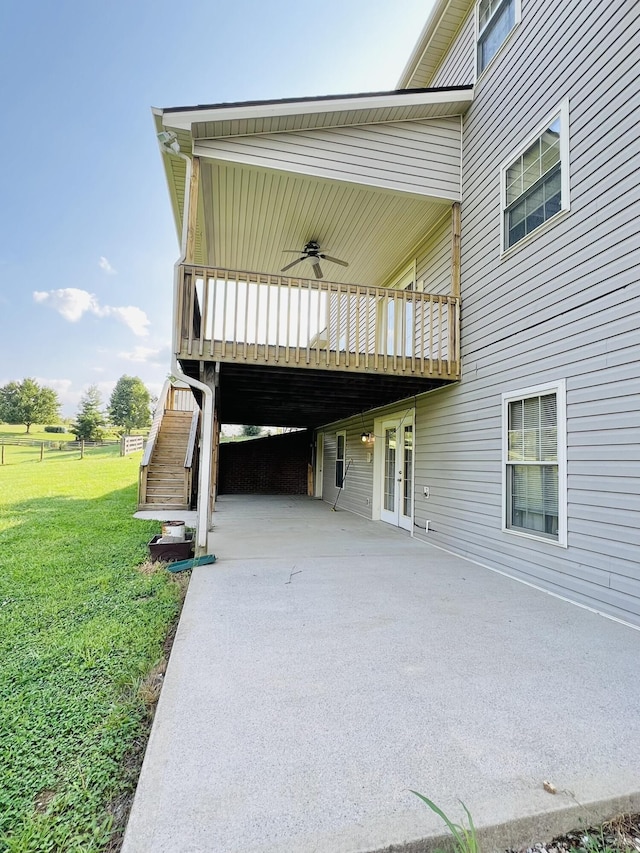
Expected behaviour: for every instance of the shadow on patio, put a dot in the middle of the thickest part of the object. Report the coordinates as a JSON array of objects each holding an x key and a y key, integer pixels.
[{"x": 327, "y": 664}]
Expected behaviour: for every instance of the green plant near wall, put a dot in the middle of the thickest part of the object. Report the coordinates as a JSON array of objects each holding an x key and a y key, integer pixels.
[{"x": 465, "y": 839}]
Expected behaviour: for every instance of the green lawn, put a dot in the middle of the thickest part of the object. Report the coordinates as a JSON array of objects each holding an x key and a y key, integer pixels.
[
  {"x": 37, "y": 433},
  {"x": 80, "y": 627}
]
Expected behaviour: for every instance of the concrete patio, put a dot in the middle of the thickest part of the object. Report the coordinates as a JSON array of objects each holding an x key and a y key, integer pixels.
[{"x": 326, "y": 665}]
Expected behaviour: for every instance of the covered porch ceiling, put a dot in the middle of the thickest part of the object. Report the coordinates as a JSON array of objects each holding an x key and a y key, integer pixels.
[{"x": 365, "y": 176}]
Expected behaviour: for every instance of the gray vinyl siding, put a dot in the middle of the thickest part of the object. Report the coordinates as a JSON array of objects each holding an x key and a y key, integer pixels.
[
  {"x": 565, "y": 305},
  {"x": 357, "y": 493},
  {"x": 419, "y": 157},
  {"x": 433, "y": 262},
  {"x": 457, "y": 67}
]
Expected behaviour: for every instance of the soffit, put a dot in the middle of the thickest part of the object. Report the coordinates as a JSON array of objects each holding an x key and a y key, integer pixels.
[
  {"x": 253, "y": 214},
  {"x": 434, "y": 42}
]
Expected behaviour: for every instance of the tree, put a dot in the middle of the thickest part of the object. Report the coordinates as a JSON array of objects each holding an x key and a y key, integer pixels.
[
  {"x": 28, "y": 403},
  {"x": 90, "y": 421},
  {"x": 251, "y": 431},
  {"x": 130, "y": 404}
]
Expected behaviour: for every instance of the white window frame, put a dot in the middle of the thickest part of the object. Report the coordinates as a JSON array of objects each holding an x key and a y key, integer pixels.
[
  {"x": 562, "y": 113},
  {"x": 479, "y": 72},
  {"x": 343, "y": 459},
  {"x": 560, "y": 389}
]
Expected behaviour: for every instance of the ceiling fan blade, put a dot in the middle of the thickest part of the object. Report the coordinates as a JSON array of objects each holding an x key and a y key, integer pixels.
[
  {"x": 317, "y": 268},
  {"x": 334, "y": 260},
  {"x": 292, "y": 251},
  {"x": 293, "y": 263}
]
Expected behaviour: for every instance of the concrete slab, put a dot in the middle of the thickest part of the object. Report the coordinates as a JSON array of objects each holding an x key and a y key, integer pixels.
[{"x": 326, "y": 664}]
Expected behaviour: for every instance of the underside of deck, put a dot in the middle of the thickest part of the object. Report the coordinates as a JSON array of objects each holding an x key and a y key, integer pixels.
[{"x": 287, "y": 396}]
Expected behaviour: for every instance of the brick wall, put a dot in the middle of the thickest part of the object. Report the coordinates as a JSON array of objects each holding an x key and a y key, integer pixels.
[{"x": 275, "y": 465}]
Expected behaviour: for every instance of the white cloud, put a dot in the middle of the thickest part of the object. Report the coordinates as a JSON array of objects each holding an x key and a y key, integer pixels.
[
  {"x": 104, "y": 265},
  {"x": 72, "y": 303},
  {"x": 134, "y": 318},
  {"x": 140, "y": 354},
  {"x": 64, "y": 389}
]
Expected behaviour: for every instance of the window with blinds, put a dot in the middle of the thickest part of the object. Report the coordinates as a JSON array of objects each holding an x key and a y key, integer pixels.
[
  {"x": 532, "y": 465},
  {"x": 535, "y": 180}
]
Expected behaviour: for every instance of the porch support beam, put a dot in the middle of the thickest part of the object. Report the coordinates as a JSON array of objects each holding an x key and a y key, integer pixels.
[
  {"x": 455, "y": 249},
  {"x": 192, "y": 212}
]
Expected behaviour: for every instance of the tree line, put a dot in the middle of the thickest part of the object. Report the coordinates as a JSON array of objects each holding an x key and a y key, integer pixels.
[{"x": 129, "y": 407}]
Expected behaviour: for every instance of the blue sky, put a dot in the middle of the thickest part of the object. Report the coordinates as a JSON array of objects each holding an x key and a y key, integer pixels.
[{"x": 87, "y": 243}]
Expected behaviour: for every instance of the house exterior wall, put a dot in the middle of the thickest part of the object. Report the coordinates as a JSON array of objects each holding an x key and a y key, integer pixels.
[
  {"x": 433, "y": 259},
  {"x": 356, "y": 496},
  {"x": 420, "y": 157},
  {"x": 562, "y": 305}
]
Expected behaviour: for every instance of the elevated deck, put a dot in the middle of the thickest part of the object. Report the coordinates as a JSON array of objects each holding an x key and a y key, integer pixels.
[{"x": 262, "y": 319}]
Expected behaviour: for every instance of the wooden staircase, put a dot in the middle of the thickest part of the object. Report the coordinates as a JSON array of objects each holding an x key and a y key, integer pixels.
[{"x": 166, "y": 474}]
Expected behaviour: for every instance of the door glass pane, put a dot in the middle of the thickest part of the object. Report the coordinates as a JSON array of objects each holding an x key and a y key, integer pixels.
[
  {"x": 408, "y": 471},
  {"x": 390, "y": 469}
]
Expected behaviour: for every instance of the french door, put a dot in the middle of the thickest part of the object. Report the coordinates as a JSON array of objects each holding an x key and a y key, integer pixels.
[{"x": 396, "y": 505}]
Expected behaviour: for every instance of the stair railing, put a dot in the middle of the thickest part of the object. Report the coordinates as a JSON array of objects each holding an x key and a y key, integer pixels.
[
  {"x": 189, "y": 456},
  {"x": 151, "y": 442}
]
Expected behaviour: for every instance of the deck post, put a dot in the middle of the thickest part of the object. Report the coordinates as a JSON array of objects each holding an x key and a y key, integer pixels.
[
  {"x": 455, "y": 249},
  {"x": 192, "y": 213}
]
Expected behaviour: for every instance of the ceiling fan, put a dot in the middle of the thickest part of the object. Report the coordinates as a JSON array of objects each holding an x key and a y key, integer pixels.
[{"x": 313, "y": 253}]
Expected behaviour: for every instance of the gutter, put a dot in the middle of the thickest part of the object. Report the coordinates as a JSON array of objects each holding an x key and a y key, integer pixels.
[{"x": 168, "y": 146}]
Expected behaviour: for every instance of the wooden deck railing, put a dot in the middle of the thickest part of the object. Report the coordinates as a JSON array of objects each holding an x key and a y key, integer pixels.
[{"x": 247, "y": 317}]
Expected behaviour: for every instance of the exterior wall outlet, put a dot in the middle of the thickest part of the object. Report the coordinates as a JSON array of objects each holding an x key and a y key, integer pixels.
[{"x": 425, "y": 491}]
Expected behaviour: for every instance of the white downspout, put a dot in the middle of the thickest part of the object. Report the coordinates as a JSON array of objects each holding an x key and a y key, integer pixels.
[{"x": 204, "y": 474}]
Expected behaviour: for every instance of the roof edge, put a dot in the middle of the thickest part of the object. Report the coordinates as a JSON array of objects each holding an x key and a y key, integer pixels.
[
  {"x": 316, "y": 99},
  {"x": 424, "y": 40}
]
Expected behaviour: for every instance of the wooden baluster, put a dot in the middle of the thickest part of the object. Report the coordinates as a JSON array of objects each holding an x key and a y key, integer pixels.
[
  {"x": 267, "y": 323},
  {"x": 327, "y": 344},
  {"x": 255, "y": 347},
  {"x": 179, "y": 320},
  {"x": 319, "y": 320},
  {"x": 450, "y": 330},
  {"x": 288, "y": 328},
  {"x": 440, "y": 334},
  {"x": 246, "y": 317},
  {"x": 191, "y": 309},
  {"x": 205, "y": 310},
  {"x": 309, "y": 295},
  {"x": 298, "y": 319},
  {"x": 278, "y": 292},
  {"x": 367, "y": 329},
  {"x": 235, "y": 317},
  {"x": 347, "y": 336},
  {"x": 431, "y": 322},
  {"x": 224, "y": 312},
  {"x": 357, "y": 318}
]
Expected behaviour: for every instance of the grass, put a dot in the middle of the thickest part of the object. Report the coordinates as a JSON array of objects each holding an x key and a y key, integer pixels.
[
  {"x": 621, "y": 834},
  {"x": 464, "y": 839},
  {"x": 80, "y": 630}
]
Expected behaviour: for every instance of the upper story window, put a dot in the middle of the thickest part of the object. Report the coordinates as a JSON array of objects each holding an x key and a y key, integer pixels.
[
  {"x": 495, "y": 20},
  {"x": 535, "y": 182}
]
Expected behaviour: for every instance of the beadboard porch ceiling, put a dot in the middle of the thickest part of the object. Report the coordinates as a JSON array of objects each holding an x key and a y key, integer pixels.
[{"x": 368, "y": 191}]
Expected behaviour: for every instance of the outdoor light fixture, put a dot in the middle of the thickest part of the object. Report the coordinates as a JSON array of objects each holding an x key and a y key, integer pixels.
[
  {"x": 366, "y": 437},
  {"x": 169, "y": 142}
]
